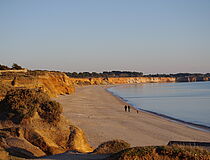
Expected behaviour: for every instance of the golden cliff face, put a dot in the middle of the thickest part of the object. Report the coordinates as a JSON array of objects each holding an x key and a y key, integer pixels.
[
  {"x": 53, "y": 83},
  {"x": 120, "y": 80}
]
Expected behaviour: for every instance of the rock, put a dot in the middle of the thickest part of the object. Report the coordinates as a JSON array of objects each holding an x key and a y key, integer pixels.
[
  {"x": 77, "y": 140},
  {"x": 39, "y": 138},
  {"x": 3, "y": 154}
]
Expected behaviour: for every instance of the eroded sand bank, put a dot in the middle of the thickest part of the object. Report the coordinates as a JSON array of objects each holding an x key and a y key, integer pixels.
[{"x": 102, "y": 118}]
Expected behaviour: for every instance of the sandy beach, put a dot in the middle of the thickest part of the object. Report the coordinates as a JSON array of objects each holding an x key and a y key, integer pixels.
[{"x": 102, "y": 117}]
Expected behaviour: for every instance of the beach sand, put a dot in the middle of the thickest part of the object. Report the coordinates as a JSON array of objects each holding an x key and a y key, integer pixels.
[{"x": 102, "y": 117}]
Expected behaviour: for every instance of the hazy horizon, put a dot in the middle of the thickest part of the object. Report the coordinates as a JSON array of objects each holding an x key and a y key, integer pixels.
[{"x": 155, "y": 36}]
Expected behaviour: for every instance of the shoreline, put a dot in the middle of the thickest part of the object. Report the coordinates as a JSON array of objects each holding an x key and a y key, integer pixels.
[
  {"x": 101, "y": 115},
  {"x": 176, "y": 120}
]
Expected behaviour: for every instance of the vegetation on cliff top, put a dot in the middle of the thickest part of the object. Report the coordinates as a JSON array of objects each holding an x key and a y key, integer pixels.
[
  {"x": 105, "y": 74},
  {"x": 130, "y": 74},
  {"x": 14, "y": 66},
  {"x": 20, "y": 104},
  {"x": 178, "y": 75},
  {"x": 162, "y": 152}
]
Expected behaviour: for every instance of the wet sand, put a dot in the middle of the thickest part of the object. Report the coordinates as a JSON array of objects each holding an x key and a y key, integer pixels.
[{"x": 102, "y": 117}]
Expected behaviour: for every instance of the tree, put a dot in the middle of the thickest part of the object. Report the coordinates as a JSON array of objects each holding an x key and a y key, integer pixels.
[
  {"x": 3, "y": 67},
  {"x": 16, "y": 66}
]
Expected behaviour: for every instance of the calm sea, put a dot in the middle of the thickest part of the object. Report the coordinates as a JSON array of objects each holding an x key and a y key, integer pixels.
[{"x": 188, "y": 102}]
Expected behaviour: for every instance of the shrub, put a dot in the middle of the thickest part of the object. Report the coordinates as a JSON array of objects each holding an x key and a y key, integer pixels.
[
  {"x": 162, "y": 152},
  {"x": 50, "y": 111},
  {"x": 16, "y": 66},
  {"x": 113, "y": 146},
  {"x": 20, "y": 104},
  {"x": 183, "y": 152},
  {"x": 4, "y": 88},
  {"x": 3, "y": 67}
]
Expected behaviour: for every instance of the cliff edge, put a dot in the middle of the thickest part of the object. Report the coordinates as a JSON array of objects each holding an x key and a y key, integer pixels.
[{"x": 53, "y": 83}]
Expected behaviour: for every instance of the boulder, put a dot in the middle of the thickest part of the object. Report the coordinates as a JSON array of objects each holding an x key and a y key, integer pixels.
[{"x": 78, "y": 141}]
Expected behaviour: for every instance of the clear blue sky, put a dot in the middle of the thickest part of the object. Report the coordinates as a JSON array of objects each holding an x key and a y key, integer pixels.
[{"x": 153, "y": 36}]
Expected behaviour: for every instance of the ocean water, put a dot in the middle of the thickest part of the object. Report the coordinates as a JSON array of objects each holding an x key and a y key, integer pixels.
[{"x": 188, "y": 102}]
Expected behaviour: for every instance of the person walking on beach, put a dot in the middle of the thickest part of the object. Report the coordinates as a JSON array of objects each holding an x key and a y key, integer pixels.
[
  {"x": 129, "y": 108},
  {"x": 125, "y": 108}
]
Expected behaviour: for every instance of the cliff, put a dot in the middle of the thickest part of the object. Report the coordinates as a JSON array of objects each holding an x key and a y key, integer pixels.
[
  {"x": 121, "y": 80},
  {"x": 58, "y": 83},
  {"x": 53, "y": 83},
  {"x": 133, "y": 80}
]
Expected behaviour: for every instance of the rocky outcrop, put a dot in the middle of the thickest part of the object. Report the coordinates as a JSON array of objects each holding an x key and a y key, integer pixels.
[
  {"x": 31, "y": 125},
  {"x": 77, "y": 140},
  {"x": 36, "y": 138}
]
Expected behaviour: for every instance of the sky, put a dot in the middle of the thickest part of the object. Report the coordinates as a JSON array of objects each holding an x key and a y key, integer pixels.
[{"x": 151, "y": 36}]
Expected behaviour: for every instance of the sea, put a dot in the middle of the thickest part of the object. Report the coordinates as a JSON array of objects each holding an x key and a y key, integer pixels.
[{"x": 187, "y": 102}]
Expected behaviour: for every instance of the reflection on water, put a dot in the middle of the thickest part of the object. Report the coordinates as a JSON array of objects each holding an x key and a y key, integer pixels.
[{"x": 189, "y": 102}]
